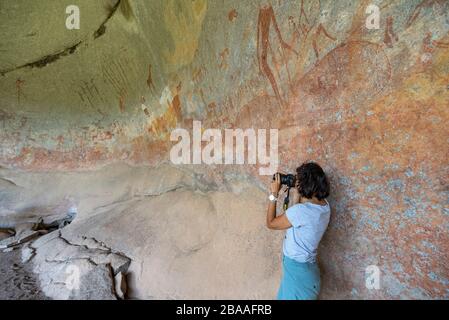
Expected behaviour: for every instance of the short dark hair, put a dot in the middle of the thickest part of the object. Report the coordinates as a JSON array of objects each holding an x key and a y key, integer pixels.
[{"x": 312, "y": 181}]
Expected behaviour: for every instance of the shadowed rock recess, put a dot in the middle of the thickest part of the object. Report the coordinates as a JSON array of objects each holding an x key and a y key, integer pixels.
[{"x": 86, "y": 182}]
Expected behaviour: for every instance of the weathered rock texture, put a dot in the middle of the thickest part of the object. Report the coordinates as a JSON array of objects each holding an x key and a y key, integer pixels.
[
  {"x": 185, "y": 235},
  {"x": 75, "y": 270},
  {"x": 370, "y": 105}
]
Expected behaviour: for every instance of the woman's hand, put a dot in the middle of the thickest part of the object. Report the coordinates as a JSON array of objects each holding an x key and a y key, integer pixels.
[
  {"x": 281, "y": 222},
  {"x": 276, "y": 185},
  {"x": 282, "y": 192},
  {"x": 294, "y": 196}
]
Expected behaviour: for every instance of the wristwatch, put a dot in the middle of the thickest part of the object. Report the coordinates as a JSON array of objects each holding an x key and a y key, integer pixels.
[{"x": 272, "y": 198}]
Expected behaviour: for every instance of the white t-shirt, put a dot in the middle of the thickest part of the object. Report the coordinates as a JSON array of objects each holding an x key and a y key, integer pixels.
[{"x": 309, "y": 222}]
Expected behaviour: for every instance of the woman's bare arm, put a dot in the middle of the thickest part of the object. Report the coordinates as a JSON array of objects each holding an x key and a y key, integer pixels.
[{"x": 280, "y": 222}]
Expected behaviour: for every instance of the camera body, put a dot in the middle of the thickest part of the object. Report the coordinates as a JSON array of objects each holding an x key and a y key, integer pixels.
[{"x": 287, "y": 179}]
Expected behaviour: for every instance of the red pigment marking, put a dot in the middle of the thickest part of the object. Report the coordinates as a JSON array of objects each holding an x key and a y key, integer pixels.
[
  {"x": 427, "y": 43},
  {"x": 150, "y": 79},
  {"x": 19, "y": 84},
  {"x": 305, "y": 28},
  {"x": 232, "y": 15},
  {"x": 439, "y": 44},
  {"x": 145, "y": 110},
  {"x": 318, "y": 32},
  {"x": 390, "y": 36},
  {"x": 302, "y": 13},
  {"x": 223, "y": 56},
  {"x": 265, "y": 20},
  {"x": 176, "y": 103},
  {"x": 427, "y": 49},
  {"x": 302, "y": 28},
  {"x": 122, "y": 102},
  {"x": 60, "y": 140},
  {"x": 423, "y": 5},
  {"x": 343, "y": 67},
  {"x": 305, "y": 24},
  {"x": 108, "y": 135},
  {"x": 198, "y": 74}
]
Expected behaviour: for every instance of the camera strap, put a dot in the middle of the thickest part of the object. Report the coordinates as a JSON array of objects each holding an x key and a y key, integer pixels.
[{"x": 286, "y": 199}]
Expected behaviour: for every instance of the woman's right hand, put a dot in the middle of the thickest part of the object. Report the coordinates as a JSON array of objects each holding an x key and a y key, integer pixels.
[{"x": 275, "y": 185}]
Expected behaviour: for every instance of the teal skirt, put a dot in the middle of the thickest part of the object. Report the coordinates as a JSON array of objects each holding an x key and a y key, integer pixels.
[{"x": 300, "y": 281}]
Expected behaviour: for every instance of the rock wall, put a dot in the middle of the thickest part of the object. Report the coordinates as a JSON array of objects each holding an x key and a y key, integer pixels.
[{"x": 370, "y": 105}]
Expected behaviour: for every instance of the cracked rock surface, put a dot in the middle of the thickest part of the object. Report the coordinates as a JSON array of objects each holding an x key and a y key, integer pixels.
[
  {"x": 150, "y": 233},
  {"x": 83, "y": 270}
]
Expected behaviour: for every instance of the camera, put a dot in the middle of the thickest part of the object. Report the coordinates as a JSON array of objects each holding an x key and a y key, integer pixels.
[{"x": 287, "y": 179}]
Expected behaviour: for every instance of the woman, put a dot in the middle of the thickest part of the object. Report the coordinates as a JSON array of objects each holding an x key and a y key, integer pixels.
[{"x": 306, "y": 221}]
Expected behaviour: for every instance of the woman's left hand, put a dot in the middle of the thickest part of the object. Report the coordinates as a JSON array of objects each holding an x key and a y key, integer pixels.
[
  {"x": 282, "y": 192},
  {"x": 294, "y": 196}
]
